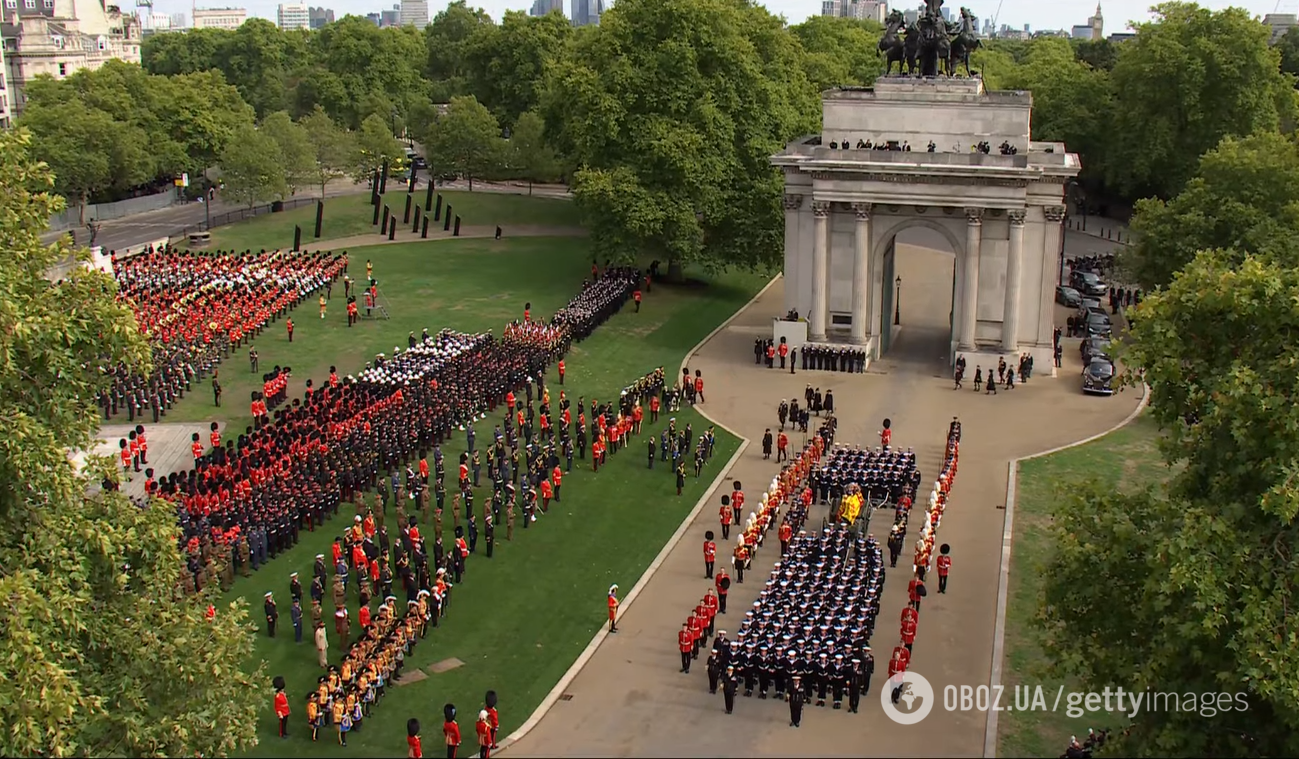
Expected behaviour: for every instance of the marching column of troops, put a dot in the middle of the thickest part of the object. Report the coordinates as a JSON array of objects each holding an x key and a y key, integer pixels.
[{"x": 196, "y": 308}]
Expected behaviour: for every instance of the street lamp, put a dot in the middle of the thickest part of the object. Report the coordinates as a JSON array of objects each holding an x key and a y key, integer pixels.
[{"x": 897, "y": 301}]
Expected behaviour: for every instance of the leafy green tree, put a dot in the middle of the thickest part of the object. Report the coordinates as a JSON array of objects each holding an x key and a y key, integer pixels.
[
  {"x": 1192, "y": 590},
  {"x": 530, "y": 158},
  {"x": 673, "y": 108},
  {"x": 87, "y": 150},
  {"x": 1288, "y": 47},
  {"x": 447, "y": 41},
  {"x": 202, "y": 113},
  {"x": 255, "y": 58},
  {"x": 507, "y": 62},
  {"x": 1186, "y": 81},
  {"x": 1100, "y": 54},
  {"x": 332, "y": 149},
  {"x": 1245, "y": 197},
  {"x": 466, "y": 141},
  {"x": 103, "y": 655},
  {"x": 189, "y": 53},
  {"x": 252, "y": 168},
  {"x": 375, "y": 145},
  {"x": 367, "y": 61},
  {"x": 297, "y": 154},
  {"x": 1071, "y": 100},
  {"x": 840, "y": 51}
]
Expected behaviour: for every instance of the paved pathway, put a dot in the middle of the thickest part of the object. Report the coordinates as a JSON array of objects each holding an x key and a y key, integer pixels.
[
  {"x": 169, "y": 449},
  {"x": 631, "y": 700}
]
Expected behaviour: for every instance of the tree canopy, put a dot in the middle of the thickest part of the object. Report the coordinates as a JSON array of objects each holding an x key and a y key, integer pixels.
[
  {"x": 465, "y": 141},
  {"x": 93, "y": 610},
  {"x": 672, "y": 110}
]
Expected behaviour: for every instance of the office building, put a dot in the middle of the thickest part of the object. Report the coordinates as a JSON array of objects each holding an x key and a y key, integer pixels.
[
  {"x": 542, "y": 7},
  {"x": 587, "y": 12},
  {"x": 58, "y": 38},
  {"x": 179, "y": 21},
  {"x": 413, "y": 13},
  {"x": 1092, "y": 30},
  {"x": 862, "y": 10},
  {"x": 390, "y": 17},
  {"x": 293, "y": 16},
  {"x": 317, "y": 18},
  {"x": 219, "y": 18}
]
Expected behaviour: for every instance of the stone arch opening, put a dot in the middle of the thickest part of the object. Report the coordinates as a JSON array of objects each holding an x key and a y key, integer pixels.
[{"x": 919, "y": 259}]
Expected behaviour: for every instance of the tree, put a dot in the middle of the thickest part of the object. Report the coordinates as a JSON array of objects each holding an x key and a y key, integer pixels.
[
  {"x": 368, "y": 61},
  {"x": 1186, "y": 81},
  {"x": 447, "y": 41},
  {"x": 1245, "y": 197},
  {"x": 1192, "y": 590},
  {"x": 530, "y": 157},
  {"x": 1288, "y": 47},
  {"x": 88, "y": 152},
  {"x": 254, "y": 59},
  {"x": 251, "y": 168},
  {"x": 189, "y": 53},
  {"x": 507, "y": 62},
  {"x": 375, "y": 146},
  {"x": 332, "y": 149},
  {"x": 673, "y": 108},
  {"x": 466, "y": 140},
  {"x": 840, "y": 51},
  {"x": 297, "y": 153},
  {"x": 92, "y": 613},
  {"x": 1100, "y": 54}
]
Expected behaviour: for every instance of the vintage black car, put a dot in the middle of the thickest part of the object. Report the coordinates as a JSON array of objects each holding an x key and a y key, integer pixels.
[
  {"x": 1088, "y": 283},
  {"x": 1098, "y": 378},
  {"x": 1067, "y": 296},
  {"x": 1093, "y": 348}
]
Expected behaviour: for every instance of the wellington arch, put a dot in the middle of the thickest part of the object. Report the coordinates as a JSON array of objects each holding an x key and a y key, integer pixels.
[{"x": 1000, "y": 208}]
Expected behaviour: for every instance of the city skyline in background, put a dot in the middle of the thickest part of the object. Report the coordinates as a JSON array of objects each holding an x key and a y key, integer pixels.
[{"x": 1057, "y": 15}]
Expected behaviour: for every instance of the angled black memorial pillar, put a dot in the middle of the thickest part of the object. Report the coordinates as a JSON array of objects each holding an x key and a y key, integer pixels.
[
  {"x": 297, "y": 238},
  {"x": 457, "y": 232},
  {"x": 428, "y": 196},
  {"x": 405, "y": 219},
  {"x": 424, "y": 230},
  {"x": 320, "y": 216},
  {"x": 437, "y": 212},
  {"x": 446, "y": 222}
]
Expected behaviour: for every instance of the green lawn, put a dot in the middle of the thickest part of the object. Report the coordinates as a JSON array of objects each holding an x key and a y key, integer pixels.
[
  {"x": 1125, "y": 460},
  {"x": 520, "y": 619},
  {"x": 349, "y": 215}
]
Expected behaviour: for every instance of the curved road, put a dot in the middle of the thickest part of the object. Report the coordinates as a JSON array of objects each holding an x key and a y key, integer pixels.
[{"x": 631, "y": 700}]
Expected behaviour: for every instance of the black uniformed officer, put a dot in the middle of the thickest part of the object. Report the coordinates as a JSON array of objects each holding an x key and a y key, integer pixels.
[
  {"x": 730, "y": 684},
  {"x": 796, "y": 702}
]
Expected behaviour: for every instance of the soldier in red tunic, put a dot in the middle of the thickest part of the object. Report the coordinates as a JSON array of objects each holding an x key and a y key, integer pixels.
[
  {"x": 710, "y": 554},
  {"x": 450, "y": 730}
]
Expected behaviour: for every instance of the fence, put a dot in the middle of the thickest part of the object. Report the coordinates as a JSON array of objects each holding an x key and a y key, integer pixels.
[
  {"x": 243, "y": 214},
  {"x": 71, "y": 217}
]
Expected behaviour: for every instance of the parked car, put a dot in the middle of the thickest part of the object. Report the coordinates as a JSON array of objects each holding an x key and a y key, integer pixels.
[
  {"x": 1098, "y": 379},
  {"x": 1098, "y": 324},
  {"x": 1086, "y": 312},
  {"x": 1088, "y": 283},
  {"x": 1067, "y": 296},
  {"x": 1093, "y": 348},
  {"x": 1091, "y": 303}
]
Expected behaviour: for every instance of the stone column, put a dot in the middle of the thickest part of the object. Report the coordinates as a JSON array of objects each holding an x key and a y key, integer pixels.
[
  {"x": 970, "y": 296},
  {"x": 792, "y": 204},
  {"x": 820, "y": 271},
  {"x": 1051, "y": 233},
  {"x": 1014, "y": 262},
  {"x": 861, "y": 283}
]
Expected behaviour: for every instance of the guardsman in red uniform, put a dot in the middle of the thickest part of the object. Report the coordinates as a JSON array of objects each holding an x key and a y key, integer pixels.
[
  {"x": 613, "y": 608},
  {"x": 423, "y": 470},
  {"x": 654, "y": 408},
  {"x": 215, "y": 436},
  {"x": 886, "y": 434},
  {"x": 557, "y": 476},
  {"x": 144, "y": 444},
  {"x": 685, "y": 642},
  {"x": 636, "y": 297},
  {"x": 288, "y": 325},
  {"x": 771, "y": 356},
  {"x": 784, "y": 353},
  {"x": 710, "y": 603},
  {"x": 281, "y": 706},
  {"x": 450, "y": 730},
  {"x": 364, "y": 618},
  {"x": 710, "y": 554},
  {"x": 560, "y": 367},
  {"x": 723, "y": 583},
  {"x": 782, "y": 447},
  {"x": 597, "y": 448},
  {"x": 464, "y": 476},
  {"x": 915, "y": 591},
  {"x": 353, "y": 313},
  {"x": 786, "y": 534},
  {"x": 696, "y": 626},
  {"x": 737, "y": 504},
  {"x": 509, "y": 401},
  {"x": 724, "y": 516},
  {"x": 546, "y": 493},
  {"x": 527, "y": 312},
  {"x": 944, "y": 566},
  {"x": 740, "y": 558},
  {"x": 699, "y": 386},
  {"x": 483, "y": 728},
  {"x": 701, "y": 611},
  {"x": 134, "y": 445},
  {"x": 493, "y": 717},
  {"x": 898, "y": 662},
  {"x": 909, "y": 613},
  {"x": 196, "y": 446},
  {"x": 908, "y": 632}
]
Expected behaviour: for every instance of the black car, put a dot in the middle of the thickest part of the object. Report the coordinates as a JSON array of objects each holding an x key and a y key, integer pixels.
[
  {"x": 1098, "y": 378},
  {"x": 1087, "y": 311},
  {"x": 1088, "y": 283},
  {"x": 1093, "y": 348},
  {"x": 1098, "y": 324},
  {"x": 1067, "y": 296}
]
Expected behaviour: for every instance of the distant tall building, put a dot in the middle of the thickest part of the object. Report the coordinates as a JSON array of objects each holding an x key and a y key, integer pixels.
[
  {"x": 219, "y": 18},
  {"x": 374, "y": 18},
  {"x": 1095, "y": 27},
  {"x": 293, "y": 16},
  {"x": 317, "y": 18},
  {"x": 542, "y": 7},
  {"x": 587, "y": 12},
  {"x": 863, "y": 10},
  {"x": 413, "y": 13},
  {"x": 391, "y": 17},
  {"x": 179, "y": 21}
]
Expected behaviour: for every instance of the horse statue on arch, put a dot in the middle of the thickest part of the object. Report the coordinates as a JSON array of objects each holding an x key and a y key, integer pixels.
[
  {"x": 891, "y": 44},
  {"x": 965, "y": 42}
]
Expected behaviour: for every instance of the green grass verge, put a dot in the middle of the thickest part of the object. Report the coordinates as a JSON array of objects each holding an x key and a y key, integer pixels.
[
  {"x": 349, "y": 215},
  {"x": 1125, "y": 460},
  {"x": 520, "y": 619}
]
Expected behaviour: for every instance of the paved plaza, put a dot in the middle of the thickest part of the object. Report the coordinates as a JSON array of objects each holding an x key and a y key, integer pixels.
[{"x": 630, "y": 698}]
